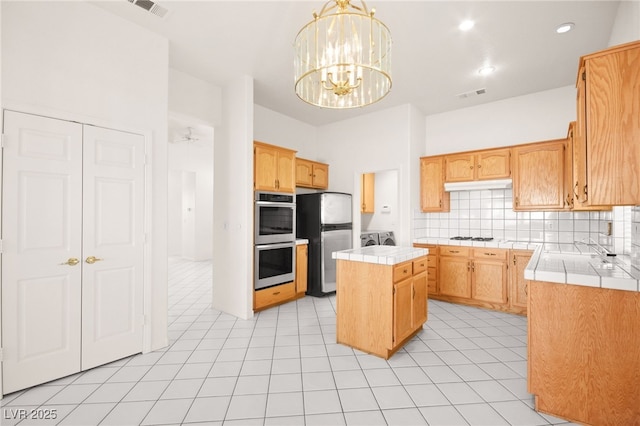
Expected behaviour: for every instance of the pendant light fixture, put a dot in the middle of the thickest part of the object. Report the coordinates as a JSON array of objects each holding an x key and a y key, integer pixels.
[{"x": 343, "y": 57}]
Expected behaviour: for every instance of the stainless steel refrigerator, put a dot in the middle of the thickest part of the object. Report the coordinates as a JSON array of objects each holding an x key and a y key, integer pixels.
[{"x": 324, "y": 218}]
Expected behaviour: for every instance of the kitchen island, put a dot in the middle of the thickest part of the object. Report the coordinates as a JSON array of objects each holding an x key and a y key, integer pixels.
[
  {"x": 381, "y": 297},
  {"x": 584, "y": 335}
]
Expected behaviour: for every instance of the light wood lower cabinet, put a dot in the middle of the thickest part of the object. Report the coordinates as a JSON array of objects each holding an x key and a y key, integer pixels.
[
  {"x": 518, "y": 286},
  {"x": 583, "y": 356},
  {"x": 487, "y": 277},
  {"x": 380, "y": 307},
  {"x": 301, "y": 268}
]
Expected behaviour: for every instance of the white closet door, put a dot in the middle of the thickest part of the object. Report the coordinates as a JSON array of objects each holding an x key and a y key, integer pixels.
[
  {"x": 41, "y": 235},
  {"x": 113, "y": 214}
]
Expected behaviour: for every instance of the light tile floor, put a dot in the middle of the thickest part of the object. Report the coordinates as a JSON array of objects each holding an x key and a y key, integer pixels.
[{"x": 466, "y": 367}]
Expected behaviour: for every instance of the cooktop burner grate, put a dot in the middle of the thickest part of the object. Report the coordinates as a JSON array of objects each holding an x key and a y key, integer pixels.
[{"x": 460, "y": 238}]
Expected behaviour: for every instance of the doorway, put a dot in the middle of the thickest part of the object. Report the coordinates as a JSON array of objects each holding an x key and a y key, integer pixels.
[{"x": 190, "y": 216}]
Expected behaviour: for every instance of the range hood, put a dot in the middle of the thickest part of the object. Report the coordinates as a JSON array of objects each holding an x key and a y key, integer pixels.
[{"x": 478, "y": 184}]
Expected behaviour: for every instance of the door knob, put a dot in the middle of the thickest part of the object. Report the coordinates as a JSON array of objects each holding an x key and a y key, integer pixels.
[
  {"x": 71, "y": 262},
  {"x": 92, "y": 259}
]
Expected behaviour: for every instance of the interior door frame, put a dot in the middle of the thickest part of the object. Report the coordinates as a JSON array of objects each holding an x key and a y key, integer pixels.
[{"x": 147, "y": 248}]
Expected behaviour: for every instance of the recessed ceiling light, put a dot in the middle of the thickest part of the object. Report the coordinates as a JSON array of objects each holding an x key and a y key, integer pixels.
[
  {"x": 466, "y": 25},
  {"x": 486, "y": 70},
  {"x": 565, "y": 28}
]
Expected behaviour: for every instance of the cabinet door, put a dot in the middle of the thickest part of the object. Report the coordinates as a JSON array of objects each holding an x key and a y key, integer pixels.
[
  {"x": 265, "y": 168},
  {"x": 459, "y": 168},
  {"x": 538, "y": 182},
  {"x": 320, "y": 175},
  {"x": 613, "y": 127},
  {"x": 454, "y": 277},
  {"x": 402, "y": 315},
  {"x": 304, "y": 173},
  {"x": 432, "y": 195},
  {"x": 286, "y": 171},
  {"x": 419, "y": 307},
  {"x": 367, "y": 190},
  {"x": 494, "y": 164},
  {"x": 301, "y": 268},
  {"x": 489, "y": 281},
  {"x": 519, "y": 286}
]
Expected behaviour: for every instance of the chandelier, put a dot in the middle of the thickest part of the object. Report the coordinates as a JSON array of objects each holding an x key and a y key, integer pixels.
[{"x": 343, "y": 57}]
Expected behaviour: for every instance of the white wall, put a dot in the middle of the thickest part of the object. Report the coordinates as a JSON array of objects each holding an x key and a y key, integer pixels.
[
  {"x": 74, "y": 61},
  {"x": 376, "y": 141},
  {"x": 194, "y": 98},
  {"x": 278, "y": 129},
  {"x": 529, "y": 118},
  {"x": 233, "y": 202},
  {"x": 626, "y": 27}
]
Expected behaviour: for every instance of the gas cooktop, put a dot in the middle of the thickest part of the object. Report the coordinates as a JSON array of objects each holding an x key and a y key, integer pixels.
[{"x": 473, "y": 238}]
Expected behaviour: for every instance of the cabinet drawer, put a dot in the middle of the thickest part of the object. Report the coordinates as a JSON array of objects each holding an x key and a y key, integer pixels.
[
  {"x": 432, "y": 260},
  {"x": 454, "y": 251},
  {"x": 272, "y": 295},
  {"x": 402, "y": 271},
  {"x": 488, "y": 253},
  {"x": 420, "y": 265}
]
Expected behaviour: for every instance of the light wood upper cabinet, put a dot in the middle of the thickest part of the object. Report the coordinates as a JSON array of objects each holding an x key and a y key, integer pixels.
[
  {"x": 367, "y": 193},
  {"x": 273, "y": 168},
  {"x": 432, "y": 195},
  {"x": 478, "y": 165},
  {"x": 459, "y": 168},
  {"x": 493, "y": 164},
  {"x": 608, "y": 118},
  {"x": 312, "y": 174},
  {"x": 539, "y": 176}
]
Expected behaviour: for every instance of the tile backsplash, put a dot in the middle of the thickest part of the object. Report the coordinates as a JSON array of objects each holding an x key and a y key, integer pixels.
[{"x": 489, "y": 213}]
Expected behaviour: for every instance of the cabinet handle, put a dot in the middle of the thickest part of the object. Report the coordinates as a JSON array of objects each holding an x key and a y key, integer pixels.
[
  {"x": 526, "y": 289},
  {"x": 72, "y": 261},
  {"x": 471, "y": 167},
  {"x": 473, "y": 267},
  {"x": 454, "y": 251},
  {"x": 468, "y": 266},
  {"x": 514, "y": 259},
  {"x": 490, "y": 254},
  {"x": 479, "y": 166},
  {"x": 276, "y": 293},
  {"x": 404, "y": 271},
  {"x": 517, "y": 201}
]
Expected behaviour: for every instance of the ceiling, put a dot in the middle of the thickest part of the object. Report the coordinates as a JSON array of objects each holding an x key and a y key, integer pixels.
[{"x": 433, "y": 61}]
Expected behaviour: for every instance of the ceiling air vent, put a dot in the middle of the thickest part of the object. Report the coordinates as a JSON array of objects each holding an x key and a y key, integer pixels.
[
  {"x": 472, "y": 93},
  {"x": 150, "y": 6}
]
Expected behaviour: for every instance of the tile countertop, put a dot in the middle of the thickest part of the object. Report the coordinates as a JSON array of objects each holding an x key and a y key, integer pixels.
[
  {"x": 301, "y": 241},
  {"x": 382, "y": 255},
  {"x": 503, "y": 244},
  {"x": 574, "y": 264}
]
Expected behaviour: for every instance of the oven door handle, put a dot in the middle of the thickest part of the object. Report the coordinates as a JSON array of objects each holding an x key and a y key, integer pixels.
[
  {"x": 274, "y": 203},
  {"x": 275, "y": 245}
]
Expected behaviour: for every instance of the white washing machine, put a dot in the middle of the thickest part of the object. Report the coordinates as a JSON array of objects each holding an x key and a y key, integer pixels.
[
  {"x": 369, "y": 239},
  {"x": 386, "y": 238}
]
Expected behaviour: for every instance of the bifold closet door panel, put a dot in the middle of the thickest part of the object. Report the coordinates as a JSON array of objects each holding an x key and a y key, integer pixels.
[
  {"x": 113, "y": 245},
  {"x": 42, "y": 249}
]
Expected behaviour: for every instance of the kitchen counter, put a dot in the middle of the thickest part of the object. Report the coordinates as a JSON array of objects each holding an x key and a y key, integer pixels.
[
  {"x": 301, "y": 241},
  {"x": 381, "y": 255},
  {"x": 502, "y": 244},
  {"x": 578, "y": 264}
]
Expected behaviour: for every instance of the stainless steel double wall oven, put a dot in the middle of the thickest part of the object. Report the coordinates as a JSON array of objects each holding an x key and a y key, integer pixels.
[{"x": 274, "y": 239}]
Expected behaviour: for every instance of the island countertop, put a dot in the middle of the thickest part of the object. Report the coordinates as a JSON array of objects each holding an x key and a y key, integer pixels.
[{"x": 381, "y": 255}]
